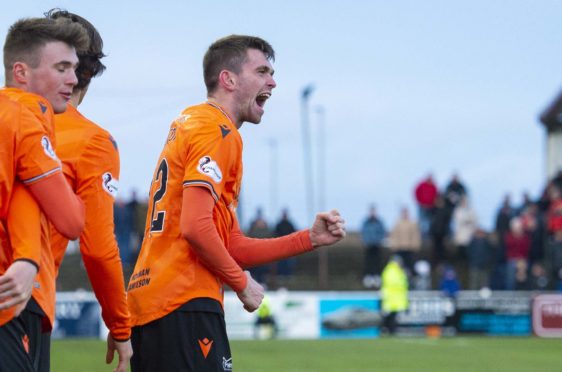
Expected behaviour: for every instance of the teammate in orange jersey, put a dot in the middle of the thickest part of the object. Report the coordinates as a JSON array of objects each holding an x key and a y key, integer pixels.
[
  {"x": 39, "y": 60},
  {"x": 193, "y": 243},
  {"x": 91, "y": 165}
]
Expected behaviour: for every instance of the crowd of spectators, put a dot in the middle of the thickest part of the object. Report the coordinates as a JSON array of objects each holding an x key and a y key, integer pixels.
[
  {"x": 522, "y": 252},
  {"x": 442, "y": 243}
]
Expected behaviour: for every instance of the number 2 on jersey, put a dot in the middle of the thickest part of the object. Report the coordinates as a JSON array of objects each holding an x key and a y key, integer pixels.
[{"x": 157, "y": 218}]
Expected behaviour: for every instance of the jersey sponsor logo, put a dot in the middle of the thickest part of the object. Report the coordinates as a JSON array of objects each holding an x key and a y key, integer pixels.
[
  {"x": 205, "y": 345},
  {"x": 227, "y": 364},
  {"x": 210, "y": 168},
  {"x": 139, "y": 279},
  {"x": 224, "y": 130},
  {"x": 110, "y": 184},
  {"x": 48, "y": 148}
]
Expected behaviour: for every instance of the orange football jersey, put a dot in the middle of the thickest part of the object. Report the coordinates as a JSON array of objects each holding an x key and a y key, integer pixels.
[
  {"x": 91, "y": 165},
  {"x": 203, "y": 149},
  {"x": 26, "y": 155},
  {"x": 26, "y": 151}
]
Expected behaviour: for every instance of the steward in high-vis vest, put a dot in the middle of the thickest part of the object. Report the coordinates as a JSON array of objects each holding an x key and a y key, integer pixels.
[
  {"x": 265, "y": 326},
  {"x": 394, "y": 292}
]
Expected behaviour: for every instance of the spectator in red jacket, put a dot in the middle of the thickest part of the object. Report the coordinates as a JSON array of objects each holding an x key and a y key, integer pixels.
[
  {"x": 518, "y": 245},
  {"x": 426, "y": 193}
]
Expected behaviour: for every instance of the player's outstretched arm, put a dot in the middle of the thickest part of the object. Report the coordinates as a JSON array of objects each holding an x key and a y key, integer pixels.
[
  {"x": 62, "y": 207},
  {"x": 250, "y": 252},
  {"x": 328, "y": 228},
  {"x": 123, "y": 348}
]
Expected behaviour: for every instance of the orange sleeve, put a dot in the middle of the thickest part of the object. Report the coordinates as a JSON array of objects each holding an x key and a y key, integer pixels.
[
  {"x": 97, "y": 183},
  {"x": 250, "y": 252},
  {"x": 24, "y": 226},
  {"x": 35, "y": 157},
  {"x": 197, "y": 227},
  {"x": 62, "y": 207}
]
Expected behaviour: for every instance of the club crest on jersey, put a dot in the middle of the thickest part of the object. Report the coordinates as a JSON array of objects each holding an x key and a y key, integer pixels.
[
  {"x": 48, "y": 148},
  {"x": 182, "y": 118},
  {"x": 110, "y": 184},
  {"x": 210, "y": 168}
]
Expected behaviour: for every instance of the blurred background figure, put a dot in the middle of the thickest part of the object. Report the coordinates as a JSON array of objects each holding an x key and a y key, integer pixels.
[
  {"x": 129, "y": 219},
  {"x": 373, "y": 233},
  {"x": 517, "y": 245},
  {"x": 265, "y": 327},
  {"x": 534, "y": 226},
  {"x": 394, "y": 293},
  {"x": 503, "y": 218},
  {"x": 259, "y": 229},
  {"x": 499, "y": 260},
  {"x": 449, "y": 282},
  {"x": 123, "y": 220},
  {"x": 454, "y": 191},
  {"x": 426, "y": 194},
  {"x": 285, "y": 268},
  {"x": 554, "y": 224},
  {"x": 405, "y": 239},
  {"x": 422, "y": 276},
  {"x": 465, "y": 223},
  {"x": 439, "y": 231},
  {"x": 479, "y": 254}
]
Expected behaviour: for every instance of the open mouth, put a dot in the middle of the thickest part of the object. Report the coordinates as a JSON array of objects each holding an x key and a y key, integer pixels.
[{"x": 262, "y": 97}]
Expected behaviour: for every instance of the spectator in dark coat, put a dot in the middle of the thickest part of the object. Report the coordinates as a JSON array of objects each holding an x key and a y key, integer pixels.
[
  {"x": 373, "y": 233},
  {"x": 479, "y": 257},
  {"x": 286, "y": 267},
  {"x": 439, "y": 231}
]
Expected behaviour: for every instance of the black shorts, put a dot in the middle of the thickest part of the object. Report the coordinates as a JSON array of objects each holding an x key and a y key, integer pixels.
[
  {"x": 191, "y": 338},
  {"x": 21, "y": 341}
]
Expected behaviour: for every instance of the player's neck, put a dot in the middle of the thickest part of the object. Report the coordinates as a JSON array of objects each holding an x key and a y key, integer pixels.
[
  {"x": 77, "y": 97},
  {"x": 227, "y": 106}
]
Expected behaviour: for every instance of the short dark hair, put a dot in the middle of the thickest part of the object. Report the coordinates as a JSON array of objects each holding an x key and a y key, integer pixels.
[
  {"x": 90, "y": 65},
  {"x": 27, "y": 36},
  {"x": 229, "y": 53}
]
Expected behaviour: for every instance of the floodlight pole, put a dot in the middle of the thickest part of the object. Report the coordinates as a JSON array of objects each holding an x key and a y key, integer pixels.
[
  {"x": 308, "y": 177},
  {"x": 274, "y": 178},
  {"x": 323, "y": 262}
]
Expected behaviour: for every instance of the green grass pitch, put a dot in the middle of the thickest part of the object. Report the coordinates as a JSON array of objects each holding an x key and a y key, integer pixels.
[{"x": 480, "y": 354}]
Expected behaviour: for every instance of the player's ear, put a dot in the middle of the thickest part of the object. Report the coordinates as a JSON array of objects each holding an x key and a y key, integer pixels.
[
  {"x": 227, "y": 79},
  {"x": 20, "y": 73}
]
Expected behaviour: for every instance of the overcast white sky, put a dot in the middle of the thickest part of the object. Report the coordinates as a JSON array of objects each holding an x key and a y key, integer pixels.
[{"x": 408, "y": 87}]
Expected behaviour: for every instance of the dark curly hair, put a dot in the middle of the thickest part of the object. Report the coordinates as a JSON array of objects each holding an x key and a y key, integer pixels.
[{"x": 90, "y": 65}]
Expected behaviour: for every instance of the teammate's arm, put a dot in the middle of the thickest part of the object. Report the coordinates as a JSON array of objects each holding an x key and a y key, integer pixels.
[
  {"x": 198, "y": 228},
  {"x": 62, "y": 207},
  {"x": 98, "y": 246},
  {"x": 39, "y": 169},
  {"x": 24, "y": 230}
]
